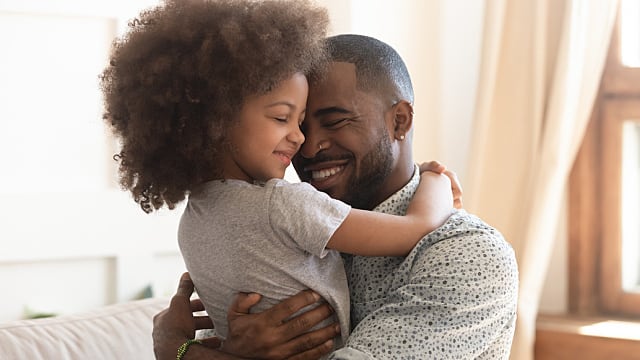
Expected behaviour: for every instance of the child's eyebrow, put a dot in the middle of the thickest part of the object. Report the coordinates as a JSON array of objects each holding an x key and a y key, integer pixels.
[{"x": 284, "y": 102}]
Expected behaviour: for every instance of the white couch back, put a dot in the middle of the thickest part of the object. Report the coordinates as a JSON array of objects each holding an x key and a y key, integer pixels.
[{"x": 121, "y": 331}]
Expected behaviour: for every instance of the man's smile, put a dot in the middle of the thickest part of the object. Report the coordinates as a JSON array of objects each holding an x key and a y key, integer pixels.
[{"x": 325, "y": 173}]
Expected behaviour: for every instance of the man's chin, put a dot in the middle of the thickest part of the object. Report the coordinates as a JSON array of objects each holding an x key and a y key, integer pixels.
[
  {"x": 326, "y": 185},
  {"x": 331, "y": 184},
  {"x": 335, "y": 193}
]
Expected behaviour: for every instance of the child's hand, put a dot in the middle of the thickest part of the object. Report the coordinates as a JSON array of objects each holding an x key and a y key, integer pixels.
[
  {"x": 432, "y": 166},
  {"x": 456, "y": 188}
]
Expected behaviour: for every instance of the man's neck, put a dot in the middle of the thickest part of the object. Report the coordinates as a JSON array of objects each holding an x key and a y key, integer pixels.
[{"x": 398, "y": 178}]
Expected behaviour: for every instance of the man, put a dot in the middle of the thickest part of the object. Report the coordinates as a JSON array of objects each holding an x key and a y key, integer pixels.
[{"x": 453, "y": 297}]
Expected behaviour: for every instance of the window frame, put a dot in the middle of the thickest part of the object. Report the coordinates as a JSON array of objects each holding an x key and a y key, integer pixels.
[{"x": 595, "y": 230}]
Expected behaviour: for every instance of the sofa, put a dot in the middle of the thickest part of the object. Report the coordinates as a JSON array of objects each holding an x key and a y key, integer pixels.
[{"x": 121, "y": 331}]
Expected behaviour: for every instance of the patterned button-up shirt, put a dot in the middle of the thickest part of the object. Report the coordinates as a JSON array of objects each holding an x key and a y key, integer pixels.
[{"x": 453, "y": 297}]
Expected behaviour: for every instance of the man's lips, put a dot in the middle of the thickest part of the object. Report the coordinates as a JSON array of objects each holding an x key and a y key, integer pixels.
[{"x": 325, "y": 173}]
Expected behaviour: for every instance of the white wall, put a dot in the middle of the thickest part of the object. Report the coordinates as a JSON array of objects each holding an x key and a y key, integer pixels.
[{"x": 71, "y": 240}]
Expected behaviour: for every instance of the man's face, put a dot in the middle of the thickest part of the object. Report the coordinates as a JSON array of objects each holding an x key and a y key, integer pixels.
[{"x": 347, "y": 152}]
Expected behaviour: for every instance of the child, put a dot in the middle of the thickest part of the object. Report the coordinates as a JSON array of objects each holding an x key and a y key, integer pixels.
[{"x": 207, "y": 98}]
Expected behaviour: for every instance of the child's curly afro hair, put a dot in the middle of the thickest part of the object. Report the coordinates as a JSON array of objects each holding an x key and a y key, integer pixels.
[{"x": 181, "y": 73}]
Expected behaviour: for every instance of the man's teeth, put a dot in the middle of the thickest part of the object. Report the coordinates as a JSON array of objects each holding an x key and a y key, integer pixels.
[{"x": 325, "y": 173}]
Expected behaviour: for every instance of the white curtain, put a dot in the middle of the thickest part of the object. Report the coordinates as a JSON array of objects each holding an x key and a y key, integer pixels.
[{"x": 540, "y": 70}]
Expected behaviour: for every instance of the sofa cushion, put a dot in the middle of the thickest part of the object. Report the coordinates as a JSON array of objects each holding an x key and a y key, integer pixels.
[{"x": 120, "y": 331}]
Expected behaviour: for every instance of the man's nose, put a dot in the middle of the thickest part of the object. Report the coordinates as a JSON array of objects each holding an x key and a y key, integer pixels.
[{"x": 310, "y": 147}]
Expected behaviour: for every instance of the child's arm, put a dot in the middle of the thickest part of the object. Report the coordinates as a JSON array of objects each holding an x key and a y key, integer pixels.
[{"x": 369, "y": 233}]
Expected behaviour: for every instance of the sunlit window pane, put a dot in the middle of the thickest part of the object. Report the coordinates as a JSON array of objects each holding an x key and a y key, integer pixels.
[
  {"x": 631, "y": 206},
  {"x": 630, "y": 33}
]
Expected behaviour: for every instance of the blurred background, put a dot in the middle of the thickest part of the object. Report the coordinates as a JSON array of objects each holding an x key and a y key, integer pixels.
[
  {"x": 70, "y": 239},
  {"x": 535, "y": 104}
]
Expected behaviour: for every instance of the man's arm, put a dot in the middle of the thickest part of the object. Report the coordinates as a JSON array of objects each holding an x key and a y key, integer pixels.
[{"x": 263, "y": 335}]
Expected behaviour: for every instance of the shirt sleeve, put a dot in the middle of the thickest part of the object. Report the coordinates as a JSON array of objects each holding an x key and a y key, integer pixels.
[
  {"x": 457, "y": 302},
  {"x": 306, "y": 216}
]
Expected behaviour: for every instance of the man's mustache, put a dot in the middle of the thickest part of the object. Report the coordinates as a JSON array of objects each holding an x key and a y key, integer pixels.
[{"x": 319, "y": 158}]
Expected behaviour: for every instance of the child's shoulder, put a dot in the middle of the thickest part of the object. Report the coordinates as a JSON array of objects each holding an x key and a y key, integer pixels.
[
  {"x": 294, "y": 190},
  {"x": 286, "y": 186}
]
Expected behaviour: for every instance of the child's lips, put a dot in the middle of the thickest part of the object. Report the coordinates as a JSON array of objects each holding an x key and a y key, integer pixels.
[{"x": 284, "y": 156}]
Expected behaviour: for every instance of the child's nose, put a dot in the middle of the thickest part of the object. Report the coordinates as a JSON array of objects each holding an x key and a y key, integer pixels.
[{"x": 296, "y": 135}]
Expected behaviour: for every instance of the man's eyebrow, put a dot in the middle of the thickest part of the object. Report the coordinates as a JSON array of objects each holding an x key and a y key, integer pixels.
[{"x": 331, "y": 110}]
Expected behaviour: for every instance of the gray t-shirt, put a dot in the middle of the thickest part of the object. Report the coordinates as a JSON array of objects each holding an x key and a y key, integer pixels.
[{"x": 269, "y": 238}]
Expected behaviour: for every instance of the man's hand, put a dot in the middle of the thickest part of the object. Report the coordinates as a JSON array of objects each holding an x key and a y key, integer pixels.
[
  {"x": 267, "y": 335},
  {"x": 177, "y": 324},
  {"x": 272, "y": 335},
  {"x": 456, "y": 188}
]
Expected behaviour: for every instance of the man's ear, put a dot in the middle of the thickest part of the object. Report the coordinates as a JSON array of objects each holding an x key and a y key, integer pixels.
[{"x": 403, "y": 119}]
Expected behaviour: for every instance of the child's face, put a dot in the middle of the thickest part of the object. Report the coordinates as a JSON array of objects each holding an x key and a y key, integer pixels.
[{"x": 267, "y": 132}]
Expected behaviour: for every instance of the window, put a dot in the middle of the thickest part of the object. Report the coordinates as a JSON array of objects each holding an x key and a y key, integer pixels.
[{"x": 605, "y": 185}]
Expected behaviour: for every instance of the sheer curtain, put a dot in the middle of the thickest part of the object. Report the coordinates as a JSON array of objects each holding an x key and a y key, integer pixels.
[{"x": 540, "y": 70}]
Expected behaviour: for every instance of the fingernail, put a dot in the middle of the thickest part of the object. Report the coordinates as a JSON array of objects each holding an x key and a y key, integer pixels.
[
  {"x": 329, "y": 343},
  {"x": 337, "y": 328},
  {"x": 315, "y": 295}
]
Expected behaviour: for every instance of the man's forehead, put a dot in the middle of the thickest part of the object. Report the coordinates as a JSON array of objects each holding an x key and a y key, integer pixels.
[
  {"x": 339, "y": 72},
  {"x": 338, "y": 83}
]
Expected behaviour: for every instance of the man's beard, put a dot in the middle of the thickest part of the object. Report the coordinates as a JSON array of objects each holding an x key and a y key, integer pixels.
[{"x": 363, "y": 188}]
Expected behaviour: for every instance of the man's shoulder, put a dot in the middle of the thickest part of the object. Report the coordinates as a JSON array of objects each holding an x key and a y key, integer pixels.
[
  {"x": 464, "y": 224},
  {"x": 466, "y": 235}
]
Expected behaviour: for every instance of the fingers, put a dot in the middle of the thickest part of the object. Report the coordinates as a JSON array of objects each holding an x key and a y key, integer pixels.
[
  {"x": 311, "y": 345},
  {"x": 273, "y": 333},
  {"x": 282, "y": 311},
  {"x": 315, "y": 344},
  {"x": 315, "y": 339},
  {"x": 315, "y": 353},
  {"x": 303, "y": 322},
  {"x": 433, "y": 166},
  {"x": 157, "y": 318},
  {"x": 211, "y": 342},
  {"x": 203, "y": 322},
  {"x": 182, "y": 295},
  {"x": 179, "y": 304},
  {"x": 456, "y": 188},
  {"x": 197, "y": 305},
  {"x": 185, "y": 286},
  {"x": 242, "y": 303}
]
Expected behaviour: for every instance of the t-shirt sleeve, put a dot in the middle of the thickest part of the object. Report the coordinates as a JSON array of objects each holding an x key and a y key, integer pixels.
[{"x": 305, "y": 215}]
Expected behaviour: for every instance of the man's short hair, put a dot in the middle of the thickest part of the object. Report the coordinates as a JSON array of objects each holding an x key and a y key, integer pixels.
[{"x": 379, "y": 67}]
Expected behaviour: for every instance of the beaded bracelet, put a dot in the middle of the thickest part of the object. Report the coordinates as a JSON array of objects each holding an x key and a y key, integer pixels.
[{"x": 184, "y": 347}]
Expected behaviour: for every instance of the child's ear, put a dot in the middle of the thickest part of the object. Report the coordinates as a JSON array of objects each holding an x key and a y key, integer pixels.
[{"x": 403, "y": 119}]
